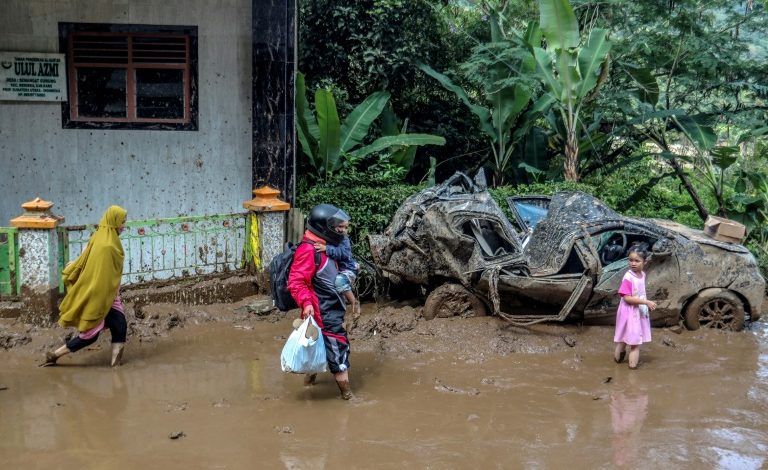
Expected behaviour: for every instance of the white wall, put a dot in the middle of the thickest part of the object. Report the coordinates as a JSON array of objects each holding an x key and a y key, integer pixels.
[{"x": 150, "y": 173}]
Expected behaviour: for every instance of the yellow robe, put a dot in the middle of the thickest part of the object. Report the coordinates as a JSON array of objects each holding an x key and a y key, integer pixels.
[{"x": 93, "y": 279}]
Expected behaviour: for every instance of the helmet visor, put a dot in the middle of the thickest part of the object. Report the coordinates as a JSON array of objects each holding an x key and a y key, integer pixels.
[{"x": 337, "y": 218}]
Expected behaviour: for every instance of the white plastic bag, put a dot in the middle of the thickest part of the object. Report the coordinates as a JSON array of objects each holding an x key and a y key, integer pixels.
[{"x": 302, "y": 354}]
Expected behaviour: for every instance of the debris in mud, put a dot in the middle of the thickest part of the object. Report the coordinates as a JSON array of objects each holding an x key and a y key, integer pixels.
[
  {"x": 569, "y": 340},
  {"x": 284, "y": 429},
  {"x": 243, "y": 327},
  {"x": 11, "y": 340},
  {"x": 261, "y": 307},
  {"x": 223, "y": 403},
  {"x": 3, "y": 387},
  {"x": 607, "y": 380},
  {"x": 668, "y": 342},
  {"x": 677, "y": 329},
  {"x": 386, "y": 322},
  {"x": 175, "y": 407},
  {"x": 176, "y": 435},
  {"x": 173, "y": 321},
  {"x": 440, "y": 387}
]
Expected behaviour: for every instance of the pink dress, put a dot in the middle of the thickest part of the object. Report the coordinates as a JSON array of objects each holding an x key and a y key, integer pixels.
[{"x": 632, "y": 326}]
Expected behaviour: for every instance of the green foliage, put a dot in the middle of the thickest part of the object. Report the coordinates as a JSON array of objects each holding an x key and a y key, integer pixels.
[
  {"x": 645, "y": 188},
  {"x": 327, "y": 141},
  {"x": 360, "y": 47},
  {"x": 370, "y": 199},
  {"x": 571, "y": 73},
  {"x": 502, "y": 84},
  {"x": 682, "y": 73}
]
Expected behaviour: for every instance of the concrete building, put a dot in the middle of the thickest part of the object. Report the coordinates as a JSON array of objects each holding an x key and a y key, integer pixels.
[{"x": 170, "y": 108}]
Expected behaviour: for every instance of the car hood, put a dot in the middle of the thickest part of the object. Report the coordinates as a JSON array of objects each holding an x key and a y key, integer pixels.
[{"x": 699, "y": 236}]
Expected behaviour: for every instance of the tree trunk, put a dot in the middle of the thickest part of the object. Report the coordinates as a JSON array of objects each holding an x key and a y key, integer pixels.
[
  {"x": 703, "y": 213},
  {"x": 571, "y": 167}
]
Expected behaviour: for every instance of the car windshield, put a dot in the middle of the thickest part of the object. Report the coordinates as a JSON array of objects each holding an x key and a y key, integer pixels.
[{"x": 530, "y": 212}]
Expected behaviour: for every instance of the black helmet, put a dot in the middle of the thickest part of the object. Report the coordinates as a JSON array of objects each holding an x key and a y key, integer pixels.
[{"x": 322, "y": 221}]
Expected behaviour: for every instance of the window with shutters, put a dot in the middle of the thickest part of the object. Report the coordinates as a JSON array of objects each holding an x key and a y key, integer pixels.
[{"x": 130, "y": 76}]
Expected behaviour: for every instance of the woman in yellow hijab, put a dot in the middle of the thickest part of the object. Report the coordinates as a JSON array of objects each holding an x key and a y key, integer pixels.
[{"x": 93, "y": 300}]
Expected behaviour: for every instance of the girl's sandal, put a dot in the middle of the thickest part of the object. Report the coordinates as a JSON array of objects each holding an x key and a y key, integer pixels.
[
  {"x": 50, "y": 359},
  {"x": 633, "y": 368}
]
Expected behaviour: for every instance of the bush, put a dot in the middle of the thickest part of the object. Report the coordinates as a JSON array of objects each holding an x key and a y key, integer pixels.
[
  {"x": 370, "y": 200},
  {"x": 629, "y": 189}
]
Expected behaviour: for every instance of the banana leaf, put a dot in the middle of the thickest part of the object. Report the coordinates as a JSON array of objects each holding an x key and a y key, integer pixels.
[
  {"x": 647, "y": 86},
  {"x": 385, "y": 142},
  {"x": 356, "y": 125},
  {"x": 558, "y": 23},
  {"x": 482, "y": 113},
  {"x": 696, "y": 130},
  {"x": 591, "y": 58},
  {"x": 330, "y": 131}
]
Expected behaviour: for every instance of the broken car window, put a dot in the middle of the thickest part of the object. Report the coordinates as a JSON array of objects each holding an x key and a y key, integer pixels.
[{"x": 489, "y": 236}]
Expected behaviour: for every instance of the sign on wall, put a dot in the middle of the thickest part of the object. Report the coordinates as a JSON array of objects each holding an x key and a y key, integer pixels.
[{"x": 32, "y": 76}]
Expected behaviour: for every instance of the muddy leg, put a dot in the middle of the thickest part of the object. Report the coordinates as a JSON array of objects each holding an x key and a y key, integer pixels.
[
  {"x": 342, "y": 380},
  {"x": 52, "y": 356},
  {"x": 349, "y": 297},
  {"x": 634, "y": 356},
  {"x": 619, "y": 352},
  {"x": 117, "y": 354}
]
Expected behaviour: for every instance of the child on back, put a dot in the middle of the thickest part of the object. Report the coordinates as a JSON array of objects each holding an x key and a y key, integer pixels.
[
  {"x": 633, "y": 323},
  {"x": 348, "y": 267}
]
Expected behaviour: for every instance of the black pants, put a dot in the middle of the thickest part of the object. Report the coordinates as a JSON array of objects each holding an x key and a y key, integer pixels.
[
  {"x": 115, "y": 321},
  {"x": 337, "y": 344}
]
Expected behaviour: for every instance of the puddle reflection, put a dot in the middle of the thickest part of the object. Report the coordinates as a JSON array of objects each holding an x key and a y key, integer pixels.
[{"x": 629, "y": 408}]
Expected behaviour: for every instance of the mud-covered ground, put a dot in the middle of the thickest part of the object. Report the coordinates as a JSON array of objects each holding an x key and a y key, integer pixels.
[{"x": 445, "y": 393}]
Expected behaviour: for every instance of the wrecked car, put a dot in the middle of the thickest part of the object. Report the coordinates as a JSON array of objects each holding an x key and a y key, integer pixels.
[{"x": 557, "y": 258}]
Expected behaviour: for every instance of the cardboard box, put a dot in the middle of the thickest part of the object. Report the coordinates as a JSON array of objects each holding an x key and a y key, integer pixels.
[{"x": 724, "y": 230}]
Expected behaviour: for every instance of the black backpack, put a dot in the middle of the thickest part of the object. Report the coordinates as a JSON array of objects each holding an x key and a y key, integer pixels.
[{"x": 279, "y": 268}]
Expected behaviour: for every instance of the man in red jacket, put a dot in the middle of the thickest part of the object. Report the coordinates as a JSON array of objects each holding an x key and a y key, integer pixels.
[{"x": 312, "y": 285}]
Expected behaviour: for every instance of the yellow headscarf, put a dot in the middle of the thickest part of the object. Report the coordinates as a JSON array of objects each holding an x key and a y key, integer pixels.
[{"x": 93, "y": 278}]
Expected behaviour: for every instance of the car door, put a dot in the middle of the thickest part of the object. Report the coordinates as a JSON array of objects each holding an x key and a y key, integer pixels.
[
  {"x": 542, "y": 298},
  {"x": 662, "y": 270}
]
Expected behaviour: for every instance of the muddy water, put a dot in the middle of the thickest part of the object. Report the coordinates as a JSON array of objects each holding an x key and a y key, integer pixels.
[{"x": 449, "y": 393}]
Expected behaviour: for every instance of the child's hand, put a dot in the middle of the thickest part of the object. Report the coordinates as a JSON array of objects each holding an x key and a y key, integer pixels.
[
  {"x": 320, "y": 246},
  {"x": 651, "y": 304}
]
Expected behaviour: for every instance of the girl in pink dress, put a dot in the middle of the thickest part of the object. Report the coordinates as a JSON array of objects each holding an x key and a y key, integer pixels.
[{"x": 633, "y": 323}]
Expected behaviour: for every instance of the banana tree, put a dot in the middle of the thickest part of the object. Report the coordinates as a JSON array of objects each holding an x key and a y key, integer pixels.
[
  {"x": 327, "y": 141},
  {"x": 571, "y": 72},
  {"x": 504, "y": 73}
]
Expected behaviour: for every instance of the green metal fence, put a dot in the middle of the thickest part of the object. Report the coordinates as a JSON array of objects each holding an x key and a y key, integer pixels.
[
  {"x": 10, "y": 276},
  {"x": 162, "y": 249}
]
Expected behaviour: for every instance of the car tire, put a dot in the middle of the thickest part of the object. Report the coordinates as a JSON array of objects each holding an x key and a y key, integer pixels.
[
  {"x": 450, "y": 300},
  {"x": 715, "y": 308}
]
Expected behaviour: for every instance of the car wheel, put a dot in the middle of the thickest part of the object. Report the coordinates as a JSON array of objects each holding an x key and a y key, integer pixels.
[
  {"x": 453, "y": 300},
  {"x": 715, "y": 308}
]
